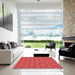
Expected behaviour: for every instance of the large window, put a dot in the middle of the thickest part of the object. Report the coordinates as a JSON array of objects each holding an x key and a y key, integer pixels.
[{"x": 40, "y": 24}]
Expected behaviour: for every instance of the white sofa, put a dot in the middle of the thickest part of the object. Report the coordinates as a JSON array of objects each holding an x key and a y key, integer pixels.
[{"x": 9, "y": 55}]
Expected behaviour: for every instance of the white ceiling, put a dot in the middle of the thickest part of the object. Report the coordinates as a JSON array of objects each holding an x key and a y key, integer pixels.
[
  {"x": 51, "y": 1},
  {"x": 34, "y": 4}
]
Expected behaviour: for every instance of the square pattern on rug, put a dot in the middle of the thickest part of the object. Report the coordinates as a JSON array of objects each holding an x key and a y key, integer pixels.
[{"x": 37, "y": 63}]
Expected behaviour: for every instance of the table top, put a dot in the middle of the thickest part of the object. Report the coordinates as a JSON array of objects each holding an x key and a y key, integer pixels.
[{"x": 41, "y": 52}]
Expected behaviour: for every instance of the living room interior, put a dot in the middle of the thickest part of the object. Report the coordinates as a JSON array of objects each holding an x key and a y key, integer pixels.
[{"x": 34, "y": 32}]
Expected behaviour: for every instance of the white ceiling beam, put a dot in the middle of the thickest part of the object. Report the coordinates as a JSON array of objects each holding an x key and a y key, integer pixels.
[
  {"x": 40, "y": 1},
  {"x": 38, "y": 6}
]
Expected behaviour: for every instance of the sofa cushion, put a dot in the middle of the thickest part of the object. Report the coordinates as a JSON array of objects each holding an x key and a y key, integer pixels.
[{"x": 15, "y": 53}]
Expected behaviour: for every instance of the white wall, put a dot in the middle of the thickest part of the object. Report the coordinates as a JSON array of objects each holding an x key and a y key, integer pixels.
[{"x": 6, "y": 35}]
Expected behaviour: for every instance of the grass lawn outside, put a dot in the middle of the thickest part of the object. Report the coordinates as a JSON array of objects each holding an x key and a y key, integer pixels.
[{"x": 39, "y": 44}]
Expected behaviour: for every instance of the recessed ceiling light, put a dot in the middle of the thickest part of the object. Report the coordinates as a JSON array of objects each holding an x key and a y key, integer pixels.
[{"x": 38, "y": 0}]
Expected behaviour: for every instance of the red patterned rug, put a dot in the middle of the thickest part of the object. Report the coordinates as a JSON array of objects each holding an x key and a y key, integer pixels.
[{"x": 37, "y": 63}]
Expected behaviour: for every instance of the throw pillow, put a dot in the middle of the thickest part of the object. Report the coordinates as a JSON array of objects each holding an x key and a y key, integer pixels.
[
  {"x": 3, "y": 45},
  {"x": 9, "y": 46},
  {"x": 72, "y": 48},
  {"x": 72, "y": 45},
  {"x": 13, "y": 44}
]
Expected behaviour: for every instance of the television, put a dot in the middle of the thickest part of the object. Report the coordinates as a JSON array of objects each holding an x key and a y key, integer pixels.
[{"x": 6, "y": 17}]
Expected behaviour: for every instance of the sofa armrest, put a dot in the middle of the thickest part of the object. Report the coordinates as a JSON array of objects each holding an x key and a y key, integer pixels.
[{"x": 6, "y": 56}]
